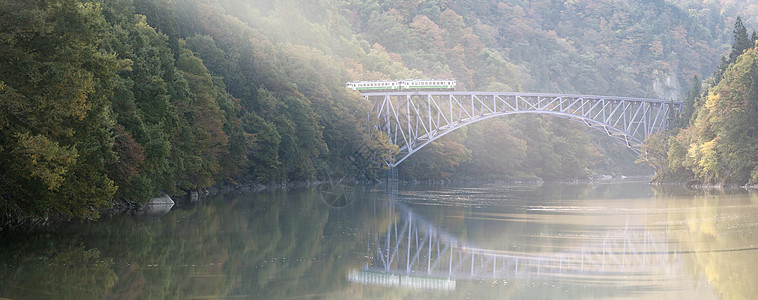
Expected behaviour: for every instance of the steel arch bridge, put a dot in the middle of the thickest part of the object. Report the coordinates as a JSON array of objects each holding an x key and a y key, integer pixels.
[{"x": 414, "y": 119}]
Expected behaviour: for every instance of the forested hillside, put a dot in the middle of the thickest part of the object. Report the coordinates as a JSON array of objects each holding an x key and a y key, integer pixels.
[
  {"x": 717, "y": 143},
  {"x": 127, "y": 99},
  {"x": 626, "y": 48}
]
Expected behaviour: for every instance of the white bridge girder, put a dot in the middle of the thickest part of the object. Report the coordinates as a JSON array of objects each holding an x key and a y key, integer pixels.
[{"x": 412, "y": 120}]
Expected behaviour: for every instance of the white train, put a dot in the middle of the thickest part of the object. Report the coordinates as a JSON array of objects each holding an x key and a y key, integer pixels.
[{"x": 402, "y": 85}]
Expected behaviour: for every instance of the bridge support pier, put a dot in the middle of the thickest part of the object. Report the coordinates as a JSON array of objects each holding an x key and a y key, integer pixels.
[
  {"x": 391, "y": 174},
  {"x": 391, "y": 181}
]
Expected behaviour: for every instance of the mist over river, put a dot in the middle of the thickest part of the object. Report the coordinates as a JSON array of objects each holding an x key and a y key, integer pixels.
[{"x": 616, "y": 240}]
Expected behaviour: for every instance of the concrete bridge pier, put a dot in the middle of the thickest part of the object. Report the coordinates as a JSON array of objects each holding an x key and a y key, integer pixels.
[{"x": 391, "y": 181}]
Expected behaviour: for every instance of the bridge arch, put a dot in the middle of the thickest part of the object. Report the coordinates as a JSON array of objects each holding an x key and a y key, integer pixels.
[{"x": 412, "y": 120}]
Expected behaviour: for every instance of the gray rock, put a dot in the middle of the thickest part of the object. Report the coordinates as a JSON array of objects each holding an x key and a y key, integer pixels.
[
  {"x": 158, "y": 206},
  {"x": 162, "y": 200}
]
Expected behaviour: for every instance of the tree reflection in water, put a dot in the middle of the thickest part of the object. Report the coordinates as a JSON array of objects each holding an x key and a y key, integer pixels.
[
  {"x": 292, "y": 244},
  {"x": 722, "y": 235},
  {"x": 237, "y": 245}
]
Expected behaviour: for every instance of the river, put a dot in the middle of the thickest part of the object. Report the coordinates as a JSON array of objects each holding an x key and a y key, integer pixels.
[{"x": 618, "y": 240}]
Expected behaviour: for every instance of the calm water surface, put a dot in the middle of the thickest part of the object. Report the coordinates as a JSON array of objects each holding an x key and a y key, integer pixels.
[{"x": 609, "y": 240}]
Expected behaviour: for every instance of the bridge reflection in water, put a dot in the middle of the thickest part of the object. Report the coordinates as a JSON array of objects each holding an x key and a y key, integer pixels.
[{"x": 414, "y": 253}]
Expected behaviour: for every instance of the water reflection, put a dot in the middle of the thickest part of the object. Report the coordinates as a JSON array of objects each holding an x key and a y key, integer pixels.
[
  {"x": 415, "y": 253},
  {"x": 610, "y": 241},
  {"x": 337, "y": 195},
  {"x": 722, "y": 234},
  {"x": 234, "y": 246},
  {"x": 41, "y": 270},
  {"x": 607, "y": 241}
]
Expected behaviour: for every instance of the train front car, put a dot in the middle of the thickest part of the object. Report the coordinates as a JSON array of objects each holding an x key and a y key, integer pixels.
[{"x": 373, "y": 86}]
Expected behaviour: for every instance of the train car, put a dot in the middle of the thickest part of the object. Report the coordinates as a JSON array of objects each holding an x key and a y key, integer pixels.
[
  {"x": 384, "y": 85},
  {"x": 427, "y": 84},
  {"x": 402, "y": 85}
]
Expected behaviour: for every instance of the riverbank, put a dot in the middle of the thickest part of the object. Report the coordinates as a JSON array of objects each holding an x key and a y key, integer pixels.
[
  {"x": 123, "y": 206},
  {"x": 707, "y": 187},
  {"x": 527, "y": 180},
  {"x": 10, "y": 223}
]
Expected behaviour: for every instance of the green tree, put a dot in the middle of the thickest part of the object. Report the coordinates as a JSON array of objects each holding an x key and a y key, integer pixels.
[
  {"x": 56, "y": 126},
  {"x": 200, "y": 141},
  {"x": 720, "y": 144},
  {"x": 742, "y": 41},
  {"x": 692, "y": 98}
]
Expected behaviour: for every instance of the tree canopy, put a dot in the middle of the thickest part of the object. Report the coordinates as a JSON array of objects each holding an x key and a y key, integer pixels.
[{"x": 718, "y": 144}]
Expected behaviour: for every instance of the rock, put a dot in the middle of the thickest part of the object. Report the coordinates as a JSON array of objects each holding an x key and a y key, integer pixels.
[
  {"x": 194, "y": 196},
  {"x": 159, "y": 206},
  {"x": 162, "y": 200}
]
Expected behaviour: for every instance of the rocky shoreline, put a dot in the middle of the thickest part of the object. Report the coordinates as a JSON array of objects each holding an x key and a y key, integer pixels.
[
  {"x": 160, "y": 205},
  {"x": 154, "y": 206},
  {"x": 707, "y": 187}
]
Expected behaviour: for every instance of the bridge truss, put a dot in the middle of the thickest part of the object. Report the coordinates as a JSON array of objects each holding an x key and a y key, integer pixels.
[{"x": 412, "y": 120}]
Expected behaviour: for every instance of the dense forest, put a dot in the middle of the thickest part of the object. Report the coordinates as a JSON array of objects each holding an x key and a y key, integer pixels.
[
  {"x": 717, "y": 140},
  {"x": 127, "y": 99}
]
